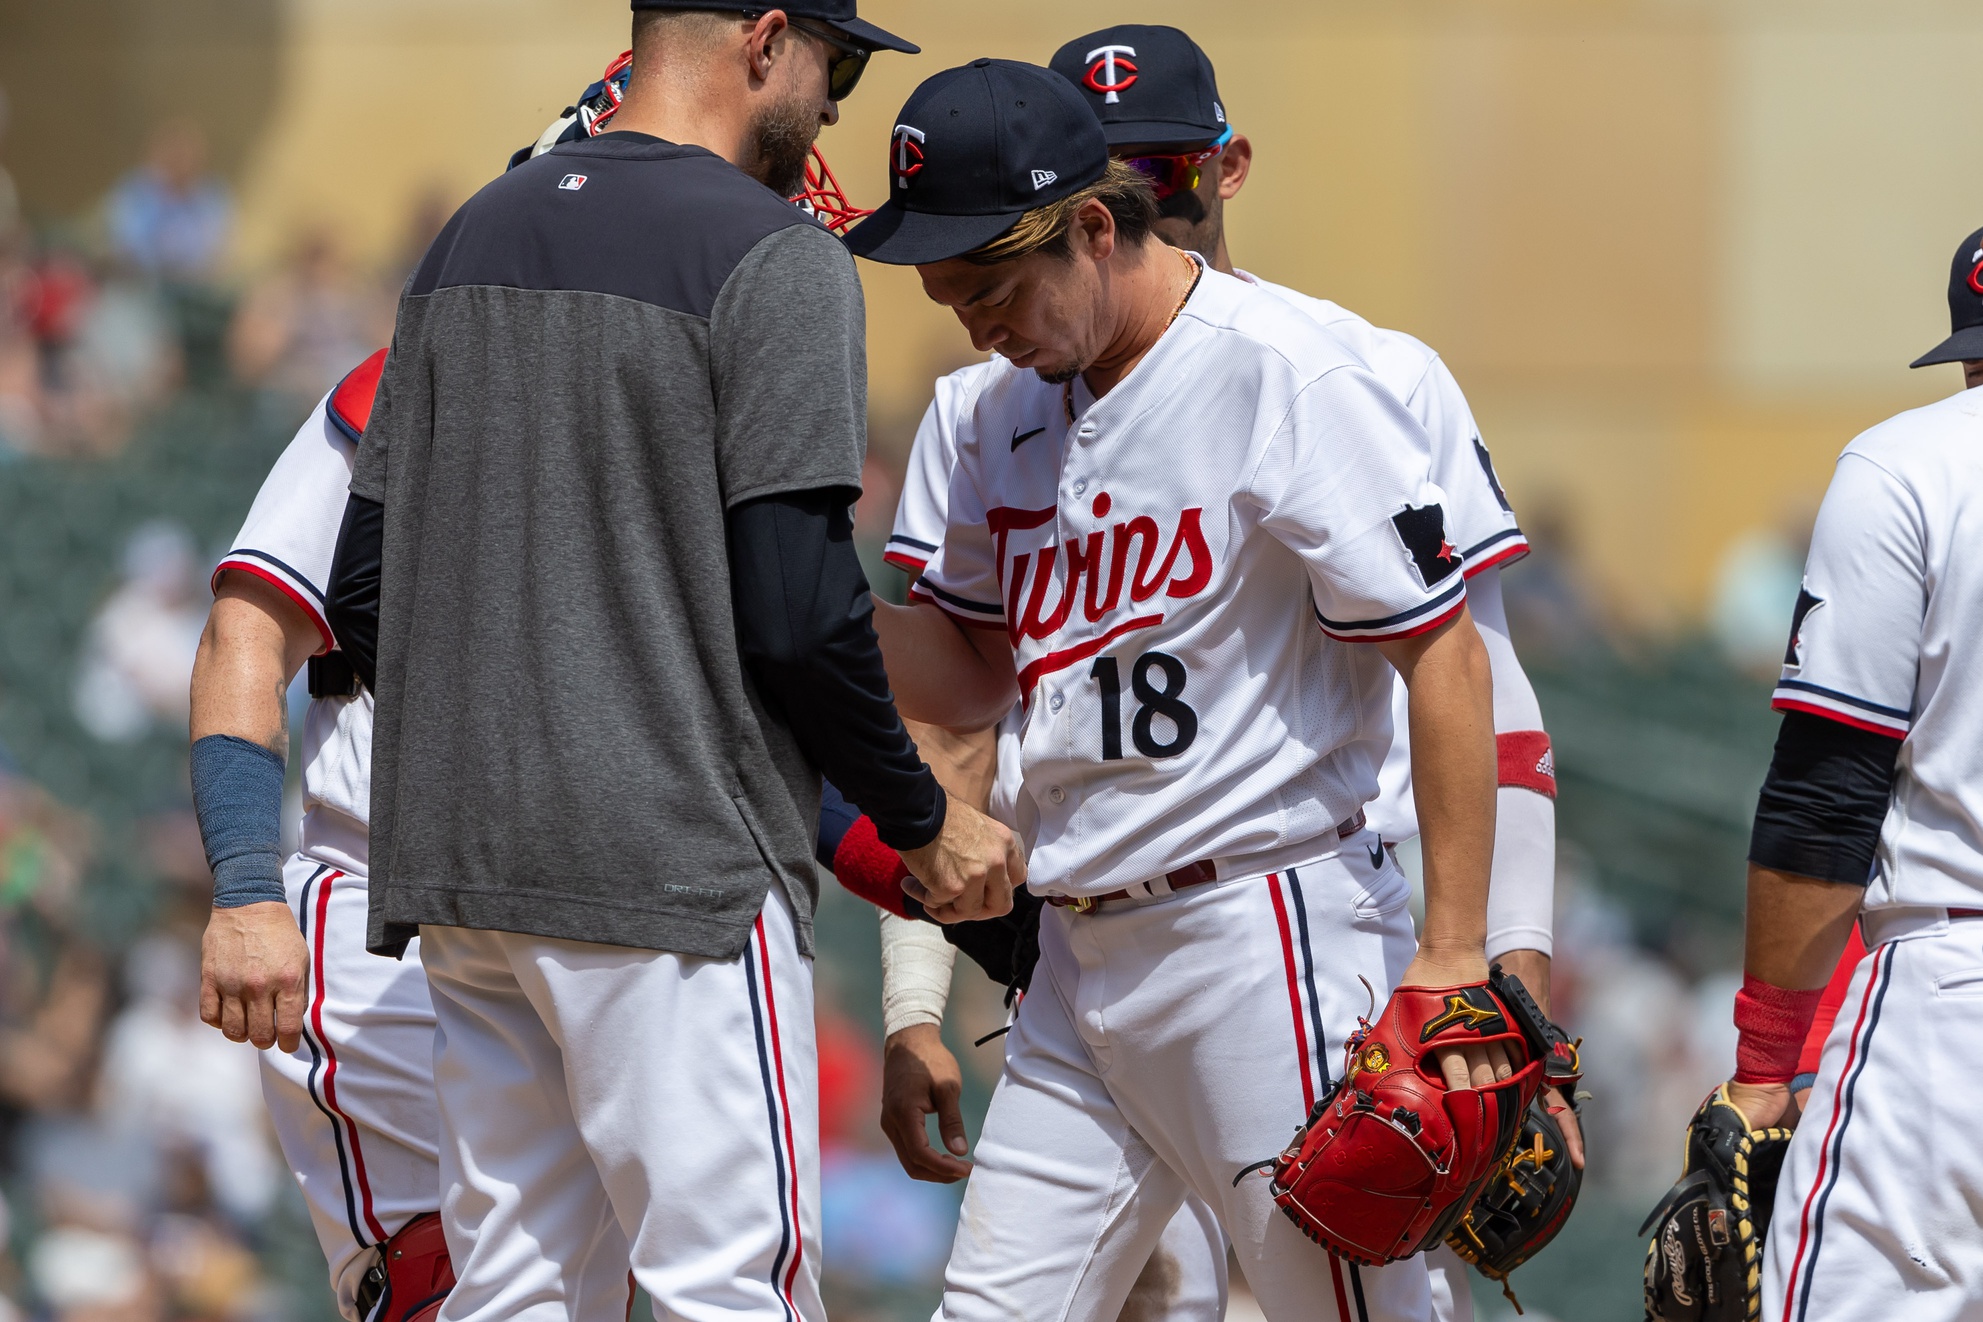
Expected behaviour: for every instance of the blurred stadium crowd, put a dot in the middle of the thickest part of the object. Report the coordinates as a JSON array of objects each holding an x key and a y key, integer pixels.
[{"x": 145, "y": 387}]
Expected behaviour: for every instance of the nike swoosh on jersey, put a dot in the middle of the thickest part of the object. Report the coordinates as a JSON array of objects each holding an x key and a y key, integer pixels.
[
  {"x": 1377, "y": 855},
  {"x": 1018, "y": 439}
]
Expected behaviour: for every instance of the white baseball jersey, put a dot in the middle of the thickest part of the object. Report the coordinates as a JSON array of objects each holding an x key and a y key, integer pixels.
[
  {"x": 1892, "y": 595},
  {"x": 1150, "y": 555},
  {"x": 289, "y": 540},
  {"x": 1479, "y": 519}
]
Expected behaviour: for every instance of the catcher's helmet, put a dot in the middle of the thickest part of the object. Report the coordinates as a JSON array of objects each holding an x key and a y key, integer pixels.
[{"x": 821, "y": 197}]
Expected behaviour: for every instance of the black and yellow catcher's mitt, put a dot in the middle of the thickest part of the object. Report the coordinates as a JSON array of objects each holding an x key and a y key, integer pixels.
[
  {"x": 1706, "y": 1257},
  {"x": 1535, "y": 1188}
]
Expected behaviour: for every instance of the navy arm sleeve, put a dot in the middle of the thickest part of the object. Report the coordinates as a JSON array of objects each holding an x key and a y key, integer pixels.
[
  {"x": 351, "y": 599},
  {"x": 1824, "y": 800},
  {"x": 804, "y": 627}
]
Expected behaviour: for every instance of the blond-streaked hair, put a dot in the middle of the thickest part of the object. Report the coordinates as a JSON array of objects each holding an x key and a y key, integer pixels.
[{"x": 1048, "y": 229}]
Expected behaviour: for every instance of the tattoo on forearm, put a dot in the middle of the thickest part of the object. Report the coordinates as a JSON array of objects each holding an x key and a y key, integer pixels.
[{"x": 278, "y": 742}]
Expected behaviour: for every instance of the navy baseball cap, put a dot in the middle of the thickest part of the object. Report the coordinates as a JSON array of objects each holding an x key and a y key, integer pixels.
[
  {"x": 1965, "y": 341},
  {"x": 974, "y": 149},
  {"x": 834, "y": 13},
  {"x": 1148, "y": 85}
]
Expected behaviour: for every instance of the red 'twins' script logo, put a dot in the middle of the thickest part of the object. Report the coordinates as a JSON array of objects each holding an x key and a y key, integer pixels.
[{"x": 1094, "y": 574}]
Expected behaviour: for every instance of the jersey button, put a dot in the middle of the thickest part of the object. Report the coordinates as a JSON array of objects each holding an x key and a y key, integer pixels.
[
  {"x": 1057, "y": 794},
  {"x": 1056, "y": 702},
  {"x": 1080, "y": 485}
]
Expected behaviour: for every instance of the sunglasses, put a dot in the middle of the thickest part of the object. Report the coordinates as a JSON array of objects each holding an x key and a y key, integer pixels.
[
  {"x": 1178, "y": 173},
  {"x": 849, "y": 61}
]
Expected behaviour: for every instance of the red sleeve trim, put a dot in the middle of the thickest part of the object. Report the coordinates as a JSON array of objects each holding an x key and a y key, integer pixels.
[
  {"x": 1812, "y": 709},
  {"x": 1413, "y": 632},
  {"x": 906, "y": 564},
  {"x": 1524, "y": 761},
  {"x": 1507, "y": 554},
  {"x": 275, "y": 581}
]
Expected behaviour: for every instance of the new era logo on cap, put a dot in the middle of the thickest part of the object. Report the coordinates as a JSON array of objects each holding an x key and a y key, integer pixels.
[
  {"x": 1041, "y": 178},
  {"x": 571, "y": 183}
]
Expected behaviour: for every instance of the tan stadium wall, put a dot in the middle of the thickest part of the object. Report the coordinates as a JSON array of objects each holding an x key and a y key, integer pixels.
[{"x": 1678, "y": 251}]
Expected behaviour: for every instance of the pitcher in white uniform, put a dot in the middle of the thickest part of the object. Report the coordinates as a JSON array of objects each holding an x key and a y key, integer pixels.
[
  {"x": 1169, "y": 120},
  {"x": 1167, "y": 485}
]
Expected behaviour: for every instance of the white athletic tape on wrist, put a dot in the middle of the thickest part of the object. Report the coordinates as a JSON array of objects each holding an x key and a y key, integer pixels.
[{"x": 916, "y": 964}]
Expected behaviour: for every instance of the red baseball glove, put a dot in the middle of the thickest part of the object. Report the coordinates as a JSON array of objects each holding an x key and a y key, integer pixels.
[{"x": 1391, "y": 1159}]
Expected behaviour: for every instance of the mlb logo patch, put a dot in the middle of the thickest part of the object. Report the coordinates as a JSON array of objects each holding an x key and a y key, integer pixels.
[{"x": 571, "y": 183}]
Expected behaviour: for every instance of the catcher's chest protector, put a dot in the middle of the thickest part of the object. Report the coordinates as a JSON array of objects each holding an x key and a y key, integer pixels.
[{"x": 1391, "y": 1158}]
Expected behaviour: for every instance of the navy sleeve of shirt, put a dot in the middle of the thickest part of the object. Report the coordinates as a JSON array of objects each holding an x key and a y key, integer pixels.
[{"x": 804, "y": 629}]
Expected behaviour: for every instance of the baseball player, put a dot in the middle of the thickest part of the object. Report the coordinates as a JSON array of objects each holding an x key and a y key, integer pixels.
[
  {"x": 347, "y": 1038},
  {"x": 1156, "y": 95},
  {"x": 1871, "y": 814},
  {"x": 1195, "y": 753}
]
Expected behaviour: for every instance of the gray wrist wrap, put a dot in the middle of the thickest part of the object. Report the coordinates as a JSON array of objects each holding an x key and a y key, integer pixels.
[{"x": 237, "y": 796}]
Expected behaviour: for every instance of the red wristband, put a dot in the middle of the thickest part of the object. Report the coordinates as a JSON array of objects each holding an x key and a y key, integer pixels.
[
  {"x": 1524, "y": 761},
  {"x": 1773, "y": 1022},
  {"x": 869, "y": 868}
]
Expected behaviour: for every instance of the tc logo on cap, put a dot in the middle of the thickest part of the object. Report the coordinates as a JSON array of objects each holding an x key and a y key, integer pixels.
[
  {"x": 1109, "y": 73},
  {"x": 1976, "y": 273},
  {"x": 908, "y": 154},
  {"x": 571, "y": 183}
]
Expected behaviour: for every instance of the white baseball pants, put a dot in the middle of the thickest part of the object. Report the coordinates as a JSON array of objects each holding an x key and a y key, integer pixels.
[
  {"x": 1167, "y": 1045},
  {"x": 1876, "y": 1214},
  {"x": 353, "y": 1105},
  {"x": 602, "y": 1105}
]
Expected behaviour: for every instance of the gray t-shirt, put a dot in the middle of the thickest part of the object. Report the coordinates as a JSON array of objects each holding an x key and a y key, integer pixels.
[{"x": 604, "y": 351}]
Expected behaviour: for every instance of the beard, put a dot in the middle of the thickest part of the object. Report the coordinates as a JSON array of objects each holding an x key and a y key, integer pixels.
[
  {"x": 1060, "y": 376},
  {"x": 1184, "y": 221},
  {"x": 776, "y": 144}
]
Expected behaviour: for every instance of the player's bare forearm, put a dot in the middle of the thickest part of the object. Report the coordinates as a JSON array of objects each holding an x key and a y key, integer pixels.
[
  {"x": 255, "y": 641},
  {"x": 1453, "y": 779},
  {"x": 965, "y": 762},
  {"x": 942, "y": 673},
  {"x": 1796, "y": 927}
]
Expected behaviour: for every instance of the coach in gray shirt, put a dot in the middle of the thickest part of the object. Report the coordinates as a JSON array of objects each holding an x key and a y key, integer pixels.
[{"x": 603, "y": 508}]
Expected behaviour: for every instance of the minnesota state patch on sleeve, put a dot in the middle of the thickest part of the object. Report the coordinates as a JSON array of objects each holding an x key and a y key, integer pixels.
[{"x": 1422, "y": 529}]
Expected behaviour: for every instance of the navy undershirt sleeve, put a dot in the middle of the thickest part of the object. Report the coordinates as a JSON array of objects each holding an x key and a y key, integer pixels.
[
  {"x": 351, "y": 600},
  {"x": 1824, "y": 800},
  {"x": 804, "y": 627}
]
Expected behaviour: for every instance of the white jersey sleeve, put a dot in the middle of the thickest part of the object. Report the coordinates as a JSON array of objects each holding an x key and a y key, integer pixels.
[
  {"x": 1376, "y": 571},
  {"x": 1481, "y": 519},
  {"x": 290, "y": 535},
  {"x": 922, "y": 513},
  {"x": 1855, "y": 641}
]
